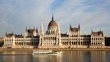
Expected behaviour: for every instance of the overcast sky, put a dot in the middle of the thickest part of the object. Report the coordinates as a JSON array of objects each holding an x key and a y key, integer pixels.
[{"x": 16, "y": 15}]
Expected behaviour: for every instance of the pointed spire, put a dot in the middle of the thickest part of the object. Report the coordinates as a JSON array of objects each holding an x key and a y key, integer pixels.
[
  {"x": 91, "y": 31},
  {"x": 41, "y": 26},
  {"x": 34, "y": 27},
  {"x": 79, "y": 26},
  {"x": 26, "y": 29},
  {"x": 59, "y": 28},
  {"x": 70, "y": 26},
  {"x": 41, "y": 29},
  {"x": 37, "y": 30},
  {"x": 6, "y": 33},
  {"x": 52, "y": 17},
  {"x": 100, "y": 30}
]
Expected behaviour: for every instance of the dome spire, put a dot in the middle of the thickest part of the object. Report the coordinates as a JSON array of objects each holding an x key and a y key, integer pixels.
[
  {"x": 52, "y": 17},
  {"x": 70, "y": 27}
]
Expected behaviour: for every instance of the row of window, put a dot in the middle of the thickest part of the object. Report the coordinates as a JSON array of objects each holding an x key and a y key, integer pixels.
[
  {"x": 21, "y": 43},
  {"x": 49, "y": 43},
  {"x": 10, "y": 42},
  {"x": 49, "y": 38},
  {"x": 73, "y": 43},
  {"x": 96, "y": 43},
  {"x": 75, "y": 39},
  {"x": 8, "y": 39},
  {"x": 97, "y": 38},
  {"x": 22, "y": 40},
  {"x": 8, "y": 45}
]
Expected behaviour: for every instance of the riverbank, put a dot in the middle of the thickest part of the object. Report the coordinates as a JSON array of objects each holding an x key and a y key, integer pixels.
[
  {"x": 20, "y": 51},
  {"x": 60, "y": 49}
]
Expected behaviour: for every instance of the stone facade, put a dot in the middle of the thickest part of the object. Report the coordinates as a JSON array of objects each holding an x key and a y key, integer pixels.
[
  {"x": 97, "y": 40},
  {"x": 53, "y": 38},
  {"x": 28, "y": 40}
]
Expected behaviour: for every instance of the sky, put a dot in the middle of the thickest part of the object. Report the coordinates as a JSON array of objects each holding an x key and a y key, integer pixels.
[{"x": 16, "y": 15}]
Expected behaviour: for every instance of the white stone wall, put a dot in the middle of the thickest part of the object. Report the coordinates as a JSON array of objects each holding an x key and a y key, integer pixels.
[
  {"x": 13, "y": 42},
  {"x": 9, "y": 42},
  {"x": 97, "y": 41}
]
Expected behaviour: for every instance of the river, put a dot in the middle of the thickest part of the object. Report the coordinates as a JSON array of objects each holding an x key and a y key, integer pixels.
[{"x": 67, "y": 56}]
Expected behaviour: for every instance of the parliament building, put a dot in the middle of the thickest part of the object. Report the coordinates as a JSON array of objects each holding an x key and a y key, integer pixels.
[{"x": 53, "y": 38}]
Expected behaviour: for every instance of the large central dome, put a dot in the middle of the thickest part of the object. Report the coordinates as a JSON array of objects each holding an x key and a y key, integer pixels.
[
  {"x": 52, "y": 27},
  {"x": 52, "y": 23}
]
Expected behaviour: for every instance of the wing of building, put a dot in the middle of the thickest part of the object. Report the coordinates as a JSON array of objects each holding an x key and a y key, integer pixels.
[{"x": 29, "y": 40}]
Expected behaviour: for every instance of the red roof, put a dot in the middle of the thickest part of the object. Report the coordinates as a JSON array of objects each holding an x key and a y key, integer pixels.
[{"x": 52, "y": 23}]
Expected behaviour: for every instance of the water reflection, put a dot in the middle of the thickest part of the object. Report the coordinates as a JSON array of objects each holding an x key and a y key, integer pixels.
[
  {"x": 47, "y": 58},
  {"x": 76, "y": 56},
  {"x": 98, "y": 56},
  {"x": 16, "y": 58},
  {"x": 85, "y": 56},
  {"x": 67, "y": 56}
]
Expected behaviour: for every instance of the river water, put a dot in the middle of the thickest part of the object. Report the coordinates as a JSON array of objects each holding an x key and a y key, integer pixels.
[{"x": 67, "y": 56}]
